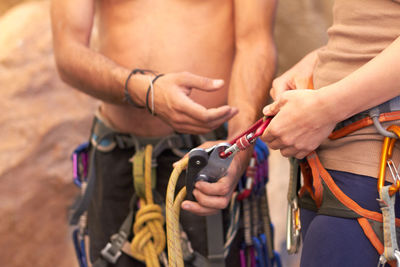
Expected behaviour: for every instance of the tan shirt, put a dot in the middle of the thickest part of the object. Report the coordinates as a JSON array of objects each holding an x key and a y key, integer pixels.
[{"x": 361, "y": 29}]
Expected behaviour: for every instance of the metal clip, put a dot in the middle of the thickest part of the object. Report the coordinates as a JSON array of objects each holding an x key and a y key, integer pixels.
[
  {"x": 387, "y": 152},
  {"x": 293, "y": 227},
  {"x": 393, "y": 170},
  {"x": 397, "y": 255},
  {"x": 382, "y": 261}
]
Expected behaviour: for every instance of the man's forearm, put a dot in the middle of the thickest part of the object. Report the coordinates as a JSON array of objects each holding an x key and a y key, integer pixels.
[
  {"x": 252, "y": 73},
  {"x": 96, "y": 75}
]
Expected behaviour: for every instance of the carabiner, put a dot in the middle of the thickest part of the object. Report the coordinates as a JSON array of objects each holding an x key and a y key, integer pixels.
[
  {"x": 293, "y": 227},
  {"x": 382, "y": 261},
  {"x": 247, "y": 138},
  {"x": 386, "y": 155}
]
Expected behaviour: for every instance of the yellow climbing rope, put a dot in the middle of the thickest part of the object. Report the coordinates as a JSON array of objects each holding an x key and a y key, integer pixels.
[
  {"x": 173, "y": 205},
  {"x": 149, "y": 235}
]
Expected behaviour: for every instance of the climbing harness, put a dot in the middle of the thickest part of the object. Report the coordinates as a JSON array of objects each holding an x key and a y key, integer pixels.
[
  {"x": 320, "y": 193},
  {"x": 210, "y": 165},
  {"x": 385, "y": 112},
  {"x": 145, "y": 219},
  {"x": 105, "y": 139}
]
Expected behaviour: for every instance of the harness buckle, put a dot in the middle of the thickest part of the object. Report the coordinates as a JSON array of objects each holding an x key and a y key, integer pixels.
[{"x": 112, "y": 251}]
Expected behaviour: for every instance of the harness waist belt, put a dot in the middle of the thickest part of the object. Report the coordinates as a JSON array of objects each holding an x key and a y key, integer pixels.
[{"x": 387, "y": 111}]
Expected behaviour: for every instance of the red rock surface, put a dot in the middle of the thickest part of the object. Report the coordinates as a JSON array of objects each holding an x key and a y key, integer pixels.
[{"x": 41, "y": 121}]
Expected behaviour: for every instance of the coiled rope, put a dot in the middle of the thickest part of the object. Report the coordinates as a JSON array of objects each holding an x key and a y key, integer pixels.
[{"x": 149, "y": 235}]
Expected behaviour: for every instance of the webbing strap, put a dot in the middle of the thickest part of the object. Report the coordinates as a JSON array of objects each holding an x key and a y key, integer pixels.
[
  {"x": 138, "y": 169},
  {"x": 293, "y": 179},
  {"x": 112, "y": 251},
  {"x": 386, "y": 203},
  {"x": 267, "y": 223},
  {"x": 215, "y": 240}
]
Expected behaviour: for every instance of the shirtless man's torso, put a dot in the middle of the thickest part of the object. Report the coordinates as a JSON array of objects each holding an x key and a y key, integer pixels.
[{"x": 218, "y": 57}]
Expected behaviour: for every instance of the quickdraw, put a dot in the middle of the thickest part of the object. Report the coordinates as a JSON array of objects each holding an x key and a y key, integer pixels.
[
  {"x": 257, "y": 249},
  {"x": 246, "y": 139}
]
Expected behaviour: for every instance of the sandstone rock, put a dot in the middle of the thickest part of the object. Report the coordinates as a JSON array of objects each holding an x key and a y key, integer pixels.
[{"x": 41, "y": 121}]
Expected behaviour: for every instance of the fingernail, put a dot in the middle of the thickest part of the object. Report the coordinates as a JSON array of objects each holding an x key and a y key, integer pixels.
[
  {"x": 218, "y": 83},
  {"x": 186, "y": 206},
  {"x": 266, "y": 110}
]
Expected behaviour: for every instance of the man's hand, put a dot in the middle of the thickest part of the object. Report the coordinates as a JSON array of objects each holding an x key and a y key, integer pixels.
[
  {"x": 299, "y": 76},
  {"x": 212, "y": 197},
  {"x": 173, "y": 104},
  {"x": 302, "y": 121}
]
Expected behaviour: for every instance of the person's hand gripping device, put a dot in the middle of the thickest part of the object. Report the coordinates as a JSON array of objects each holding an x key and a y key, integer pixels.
[{"x": 212, "y": 164}]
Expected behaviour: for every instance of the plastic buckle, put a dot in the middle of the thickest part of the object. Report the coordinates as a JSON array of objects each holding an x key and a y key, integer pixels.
[
  {"x": 109, "y": 253},
  {"x": 112, "y": 251}
]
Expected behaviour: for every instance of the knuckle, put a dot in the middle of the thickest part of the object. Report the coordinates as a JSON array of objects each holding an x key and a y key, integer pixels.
[
  {"x": 273, "y": 132},
  {"x": 224, "y": 190},
  {"x": 285, "y": 153},
  {"x": 178, "y": 121},
  {"x": 286, "y": 140}
]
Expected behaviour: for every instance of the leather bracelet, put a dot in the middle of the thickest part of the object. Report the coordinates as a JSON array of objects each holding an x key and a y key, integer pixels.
[
  {"x": 151, "y": 88},
  {"x": 127, "y": 96}
]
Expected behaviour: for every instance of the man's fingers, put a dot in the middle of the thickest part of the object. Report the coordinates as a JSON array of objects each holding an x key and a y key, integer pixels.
[
  {"x": 212, "y": 202},
  {"x": 199, "y": 82},
  {"x": 220, "y": 188},
  {"x": 207, "y": 116},
  {"x": 196, "y": 208}
]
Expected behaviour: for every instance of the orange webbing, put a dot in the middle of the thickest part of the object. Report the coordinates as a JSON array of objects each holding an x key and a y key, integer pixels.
[
  {"x": 320, "y": 171},
  {"x": 317, "y": 184},
  {"x": 369, "y": 232},
  {"x": 307, "y": 178},
  {"x": 367, "y": 121}
]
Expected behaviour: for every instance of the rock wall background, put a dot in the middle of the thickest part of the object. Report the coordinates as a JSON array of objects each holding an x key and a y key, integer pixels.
[{"x": 42, "y": 120}]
